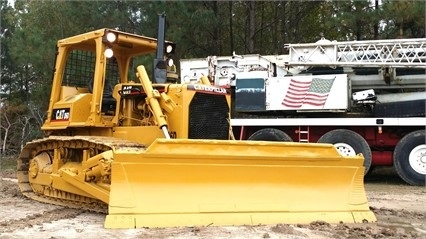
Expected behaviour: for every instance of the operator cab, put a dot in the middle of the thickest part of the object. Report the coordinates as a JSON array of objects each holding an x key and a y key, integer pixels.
[{"x": 90, "y": 65}]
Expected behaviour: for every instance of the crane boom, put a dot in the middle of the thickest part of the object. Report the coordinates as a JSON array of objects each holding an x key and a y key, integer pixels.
[{"x": 372, "y": 53}]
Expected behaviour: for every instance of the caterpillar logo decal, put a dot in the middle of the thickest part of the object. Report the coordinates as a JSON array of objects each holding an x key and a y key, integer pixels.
[
  {"x": 208, "y": 89},
  {"x": 61, "y": 114}
]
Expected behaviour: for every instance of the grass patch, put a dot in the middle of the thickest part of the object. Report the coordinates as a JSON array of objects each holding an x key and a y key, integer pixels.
[{"x": 7, "y": 162}]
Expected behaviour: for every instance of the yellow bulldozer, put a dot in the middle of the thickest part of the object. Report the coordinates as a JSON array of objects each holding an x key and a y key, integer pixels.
[{"x": 157, "y": 153}]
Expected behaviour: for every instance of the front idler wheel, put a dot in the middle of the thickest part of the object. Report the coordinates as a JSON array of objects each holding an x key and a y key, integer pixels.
[{"x": 37, "y": 165}]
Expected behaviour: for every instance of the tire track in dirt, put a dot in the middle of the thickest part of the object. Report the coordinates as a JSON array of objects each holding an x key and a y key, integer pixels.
[
  {"x": 10, "y": 194},
  {"x": 39, "y": 218},
  {"x": 399, "y": 213}
]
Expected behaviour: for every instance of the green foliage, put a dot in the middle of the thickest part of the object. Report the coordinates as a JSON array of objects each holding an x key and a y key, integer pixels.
[
  {"x": 7, "y": 18},
  {"x": 403, "y": 19}
]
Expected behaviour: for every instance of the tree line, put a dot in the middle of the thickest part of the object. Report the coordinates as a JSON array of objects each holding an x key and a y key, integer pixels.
[{"x": 30, "y": 29}]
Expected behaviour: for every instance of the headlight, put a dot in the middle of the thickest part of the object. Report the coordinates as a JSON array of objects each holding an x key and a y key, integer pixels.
[
  {"x": 111, "y": 37},
  {"x": 169, "y": 62},
  {"x": 108, "y": 53},
  {"x": 170, "y": 48}
]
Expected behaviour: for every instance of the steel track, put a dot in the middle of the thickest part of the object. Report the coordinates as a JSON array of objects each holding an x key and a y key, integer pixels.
[{"x": 62, "y": 198}]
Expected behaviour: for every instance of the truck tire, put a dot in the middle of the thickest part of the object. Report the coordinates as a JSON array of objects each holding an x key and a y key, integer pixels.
[
  {"x": 270, "y": 134},
  {"x": 349, "y": 143},
  {"x": 409, "y": 158}
]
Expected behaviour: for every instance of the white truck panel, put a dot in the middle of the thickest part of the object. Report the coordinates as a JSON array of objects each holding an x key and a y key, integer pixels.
[
  {"x": 308, "y": 93},
  {"x": 192, "y": 69},
  {"x": 414, "y": 121}
]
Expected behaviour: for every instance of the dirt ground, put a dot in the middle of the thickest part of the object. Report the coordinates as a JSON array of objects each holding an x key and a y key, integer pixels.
[{"x": 399, "y": 208}]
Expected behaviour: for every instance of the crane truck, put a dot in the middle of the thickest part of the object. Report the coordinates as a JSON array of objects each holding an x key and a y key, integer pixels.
[
  {"x": 157, "y": 153},
  {"x": 361, "y": 96}
]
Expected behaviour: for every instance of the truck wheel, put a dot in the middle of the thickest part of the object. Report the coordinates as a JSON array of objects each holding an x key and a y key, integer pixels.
[
  {"x": 349, "y": 143},
  {"x": 409, "y": 158},
  {"x": 270, "y": 134}
]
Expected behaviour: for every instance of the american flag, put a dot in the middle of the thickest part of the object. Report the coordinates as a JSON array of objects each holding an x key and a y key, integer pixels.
[{"x": 312, "y": 91}]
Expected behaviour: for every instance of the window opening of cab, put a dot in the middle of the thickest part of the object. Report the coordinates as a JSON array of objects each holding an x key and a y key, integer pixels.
[
  {"x": 79, "y": 69},
  {"x": 112, "y": 74}
]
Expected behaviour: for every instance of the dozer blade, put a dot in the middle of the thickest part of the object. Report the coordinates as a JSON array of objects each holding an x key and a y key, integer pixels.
[{"x": 182, "y": 182}]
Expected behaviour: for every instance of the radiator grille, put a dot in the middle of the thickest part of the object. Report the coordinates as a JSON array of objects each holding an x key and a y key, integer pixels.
[{"x": 208, "y": 117}]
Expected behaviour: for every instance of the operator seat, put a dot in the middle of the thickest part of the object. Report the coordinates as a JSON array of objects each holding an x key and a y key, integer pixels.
[{"x": 108, "y": 104}]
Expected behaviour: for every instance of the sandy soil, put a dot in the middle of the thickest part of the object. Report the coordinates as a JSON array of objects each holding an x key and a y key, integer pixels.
[{"x": 399, "y": 208}]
